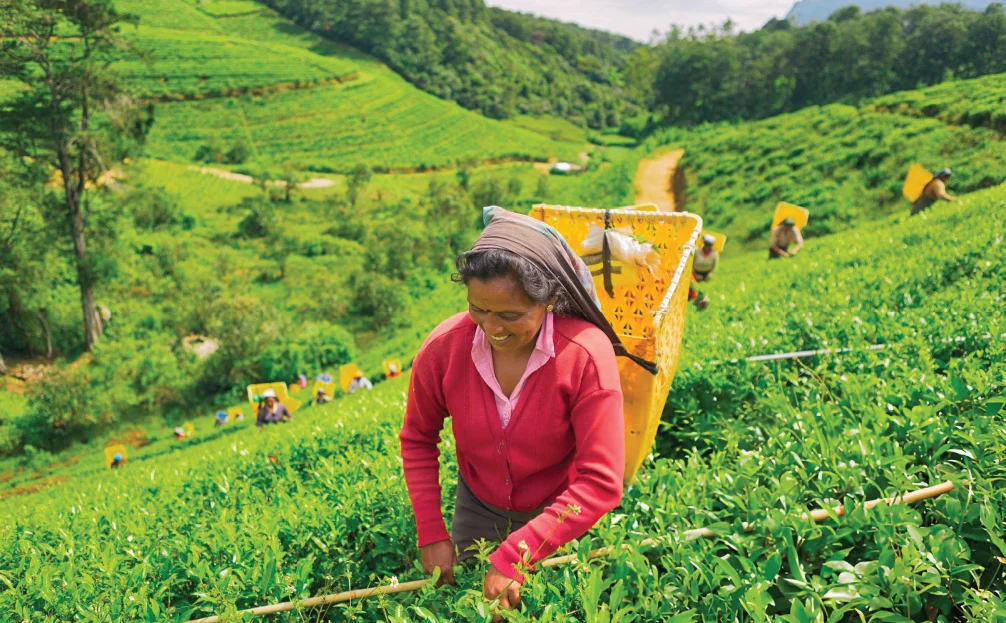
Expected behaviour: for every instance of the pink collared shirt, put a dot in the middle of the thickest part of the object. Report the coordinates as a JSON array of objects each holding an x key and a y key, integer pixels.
[{"x": 482, "y": 355}]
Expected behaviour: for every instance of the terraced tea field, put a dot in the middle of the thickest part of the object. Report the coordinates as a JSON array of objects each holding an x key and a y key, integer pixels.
[
  {"x": 220, "y": 526},
  {"x": 313, "y": 104},
  {"x": 846, "y": 165},
  {"x": 977, "y": 103}
]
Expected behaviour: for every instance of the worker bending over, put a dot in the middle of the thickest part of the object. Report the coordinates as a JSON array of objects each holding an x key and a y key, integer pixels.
[
  {"x": 272, "y": 411},
  {"x": 935, "y": 190},
  {"x": 707, "y": 260},
  {"x": 785, "y": 234},
  {"x": 359, "y": 382}
]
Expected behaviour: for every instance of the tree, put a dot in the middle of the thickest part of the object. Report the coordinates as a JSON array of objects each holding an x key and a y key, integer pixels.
[
  {"x": 63, "y": 54},
  {"x": 358, "y": 178}
]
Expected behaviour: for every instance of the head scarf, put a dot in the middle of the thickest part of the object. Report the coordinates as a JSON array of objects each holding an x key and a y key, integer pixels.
[{"x": 550, "y": 252}]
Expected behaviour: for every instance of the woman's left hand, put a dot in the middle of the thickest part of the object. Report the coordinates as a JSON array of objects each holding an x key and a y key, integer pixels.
[{"x": 498, "y": 585}]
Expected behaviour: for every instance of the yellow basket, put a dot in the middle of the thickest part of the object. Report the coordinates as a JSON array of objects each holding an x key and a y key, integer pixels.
[
  {"x": 234, "y": 413},
  {"x": 785, "y": 210},
  {"x": 292, "y": 404},
  {"x": 387, "y": 367},
  {"x": 649, "y": 316},
  {"x": 347, "y": 373},
  {"x": 328, "y": 387},
  {"x": 721, "y": 240},
  {"x": 915, "y": 182},
  {"x": 110, "y": 453}
]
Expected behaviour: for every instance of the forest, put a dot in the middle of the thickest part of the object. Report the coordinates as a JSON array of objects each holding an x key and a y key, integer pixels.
[{"x": 716, "y": 74}]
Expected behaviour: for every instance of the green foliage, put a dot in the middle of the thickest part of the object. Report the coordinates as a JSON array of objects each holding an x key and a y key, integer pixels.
[
  {"x": 62, "y": 409},
  {"x": 490, "y": 60},
  {"x": 315, "y": 347},
  {"x": 845, "y": 165},
  {"x": 714, "y": 75},
  {"x": 261, "y": 219},
  {"x": 977, "y": 103},
  {"x": 744, "y": 444}
]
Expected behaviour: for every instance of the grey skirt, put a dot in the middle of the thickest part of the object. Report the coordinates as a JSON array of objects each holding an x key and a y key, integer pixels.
[{"x": 475, "y": 520}]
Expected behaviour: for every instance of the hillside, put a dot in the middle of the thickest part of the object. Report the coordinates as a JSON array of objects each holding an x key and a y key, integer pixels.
[
  {"x": 845, "y": 164},
  {"x": 288, "y": 98},
  {"x": 490, "y": 60},
  {"x": 221, "y": 525},
  {"x": 187, "y": 247},
  {"x": 807, "y": 11}
]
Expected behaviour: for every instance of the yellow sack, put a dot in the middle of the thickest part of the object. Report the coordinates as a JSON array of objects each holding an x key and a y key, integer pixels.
[
  {"x": 721, "y": 240},
  {"x": 785, "y": 210},
  {"x": 915, "y": 182},
  {"x": 110, "y": 453}
]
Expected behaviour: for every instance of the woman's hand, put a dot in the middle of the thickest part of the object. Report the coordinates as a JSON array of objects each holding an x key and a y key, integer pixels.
[
  {"x": 498, "y": 585},
  {"x": 440, "y": 554}
]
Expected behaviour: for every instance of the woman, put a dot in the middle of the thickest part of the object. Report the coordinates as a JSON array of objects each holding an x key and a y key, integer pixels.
[
  {"x": 272, "y": 410},
  {"x": 532, "y": 389},
  {"x": 707, "y": 259}
]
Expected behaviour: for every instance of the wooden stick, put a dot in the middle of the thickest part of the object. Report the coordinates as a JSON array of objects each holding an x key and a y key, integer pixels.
[{"x": 817, "y": 515}]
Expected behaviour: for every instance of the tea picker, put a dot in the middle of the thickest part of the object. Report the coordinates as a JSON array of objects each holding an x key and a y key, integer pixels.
[
  {"x": 553, "y": 298},
  {"x": 924, "y": 189},
  {"x": 787, "y": 224}
]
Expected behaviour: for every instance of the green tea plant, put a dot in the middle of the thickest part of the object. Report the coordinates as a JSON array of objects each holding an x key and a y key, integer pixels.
[
  {"x": 976, "y": 103},
  {"x": 845, "y": 165},
  {"x": 220, "y": 526}
]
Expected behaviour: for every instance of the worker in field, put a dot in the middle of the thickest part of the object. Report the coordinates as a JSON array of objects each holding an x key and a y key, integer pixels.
[
  {"x": 321, "y": 397},
  {"x": 221, "y": 418},
  {"x": 529, "y": 380},
  {"x": 359, "y": 382},
  {"x": 393, "y": 371},
  {"x": 118, "y": 460},
  {"x": 784, "y": 235},
  {"x": 935, "y": 190},
  {"x": 271, "y": 410},
  {"x": 706, "y": 260},
  {"x": 695, "y": 296},
  {"x": 179, "y": 433}
]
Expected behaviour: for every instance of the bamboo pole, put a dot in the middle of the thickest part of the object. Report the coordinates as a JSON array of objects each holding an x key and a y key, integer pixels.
[{"x": 817, "y": 515}]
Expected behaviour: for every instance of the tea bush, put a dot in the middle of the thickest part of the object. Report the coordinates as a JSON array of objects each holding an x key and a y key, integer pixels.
[
  {"x": 844, "y": 164},
  {"x": 220, "y": 526}
]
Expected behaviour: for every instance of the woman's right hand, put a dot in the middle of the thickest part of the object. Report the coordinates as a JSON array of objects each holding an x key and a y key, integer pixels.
[{"x": 440, "y": 554}]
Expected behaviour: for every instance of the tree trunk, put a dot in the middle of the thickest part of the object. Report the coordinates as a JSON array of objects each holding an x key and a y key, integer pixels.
[
  {"x": 92, "y": 322},
  {"x": 3, "y": 366},
  {"x": 43, "y": 315}
]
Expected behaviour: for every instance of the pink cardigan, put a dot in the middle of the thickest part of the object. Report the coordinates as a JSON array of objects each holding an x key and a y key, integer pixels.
[{"x": 564, "y": 445}]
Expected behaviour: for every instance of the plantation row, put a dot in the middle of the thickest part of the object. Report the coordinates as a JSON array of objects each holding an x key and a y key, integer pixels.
[
  {"x": 181, "y": 62},
  {"x": 378, "y": 121},
  {"x": 221, "y": 526},
  {"x": 376, "y": 118},
  {"x": 977, "y": 103},
  {"x": 845, "y": 165}
]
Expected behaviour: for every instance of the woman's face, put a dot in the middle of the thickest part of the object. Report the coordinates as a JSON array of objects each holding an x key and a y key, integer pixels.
[
  {"x": 508, "y": 317},
  {"x": 270, "y": 402}
]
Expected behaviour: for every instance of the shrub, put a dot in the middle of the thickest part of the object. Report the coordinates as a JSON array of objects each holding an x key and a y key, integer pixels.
[{"x": 62, "y": 408}]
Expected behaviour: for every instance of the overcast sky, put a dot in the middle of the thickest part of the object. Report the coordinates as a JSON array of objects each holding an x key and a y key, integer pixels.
[{"x": 638, "y": 18}]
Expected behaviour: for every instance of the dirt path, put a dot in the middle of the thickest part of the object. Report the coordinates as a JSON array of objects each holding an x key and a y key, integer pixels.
[
  {"x": 316, "y": 182},
  {"x": 654, "y": 179}
]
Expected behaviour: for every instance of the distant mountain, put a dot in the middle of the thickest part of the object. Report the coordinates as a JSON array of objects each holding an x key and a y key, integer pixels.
[{"x": 807, "y": 11}]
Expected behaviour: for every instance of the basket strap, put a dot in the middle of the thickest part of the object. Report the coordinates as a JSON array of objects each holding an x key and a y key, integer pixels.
[{"x": 606, "y": 256}]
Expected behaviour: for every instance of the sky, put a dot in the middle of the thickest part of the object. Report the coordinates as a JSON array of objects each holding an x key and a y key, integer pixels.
[{"x": 638, "y": 18}]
